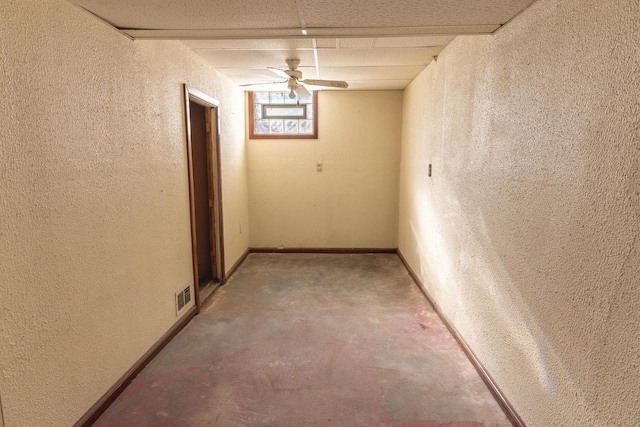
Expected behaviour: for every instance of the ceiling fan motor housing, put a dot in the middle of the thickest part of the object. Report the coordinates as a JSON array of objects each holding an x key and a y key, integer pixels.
[
  {"x": 296, "y": 74},
  {"x": 293, "y": 63}
]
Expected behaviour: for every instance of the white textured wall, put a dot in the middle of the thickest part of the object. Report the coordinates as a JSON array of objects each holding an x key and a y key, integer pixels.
[
  {"x": 94, "y": 231},
  {"x": 353, "y": 202},
  {"x": 527, "y": 233}
]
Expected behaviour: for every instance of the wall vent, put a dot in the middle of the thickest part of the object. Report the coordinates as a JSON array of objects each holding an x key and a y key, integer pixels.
[{"x": 183, "y": 298}]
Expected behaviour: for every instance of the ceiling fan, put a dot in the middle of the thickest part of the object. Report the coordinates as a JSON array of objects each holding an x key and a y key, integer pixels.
[{"x": 295, "y": 83}]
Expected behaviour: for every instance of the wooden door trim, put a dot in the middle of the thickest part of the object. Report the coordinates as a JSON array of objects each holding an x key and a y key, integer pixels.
[
  {"x": 200, "y": 98},
  {"x": 218, "y": 183},
  {"x": 211, "y": 194}
]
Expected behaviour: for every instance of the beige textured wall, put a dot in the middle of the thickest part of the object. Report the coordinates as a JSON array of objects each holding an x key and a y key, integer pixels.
[
  {"x": 94, "y": 235},
  {"x": 528, "y": 232},
  {"x": 353, "y": 202}
]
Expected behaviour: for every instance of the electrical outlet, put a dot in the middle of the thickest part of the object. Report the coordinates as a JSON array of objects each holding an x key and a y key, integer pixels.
[{"x": 319, "y": 167}]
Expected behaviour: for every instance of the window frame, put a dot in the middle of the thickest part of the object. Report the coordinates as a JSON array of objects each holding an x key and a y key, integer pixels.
[{"x": 253, "y": 135}]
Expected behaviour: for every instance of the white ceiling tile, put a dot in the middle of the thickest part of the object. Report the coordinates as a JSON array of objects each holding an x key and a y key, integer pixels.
[
  {"x": 408, "y": 13},
  {"x": 425, "y": 41},
  {"x": 377, "y": 57},
  {"x": 317, "y": 33},
  {"x": 260, "y": 44},
  {"x": 357, "y": 43},
  {"x": 371, "y": 73},
  {"x": 261, "y": 75},
  {"x": 224, "y": 34},
  {"x": 379, "y": 85},
  {"x": 321, "y": 43},
  {"x": 264, "y": 87},
  {"x": 402, "y": 31},
  {"x": 255, "y": 59},
  {"x": 195, "y": 14},
  {"x": 250, "y": 75},
  {"x": 326, "y": 43}
]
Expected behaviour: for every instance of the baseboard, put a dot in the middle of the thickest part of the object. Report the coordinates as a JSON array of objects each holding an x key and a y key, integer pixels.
[
  {"x": 509, "y": 411},
  {"x": 325, "y": 250},
  {"x": 238, "y": 263},
  {"x": 92, "y": 415},
  {"x": 110, "y": 396}
]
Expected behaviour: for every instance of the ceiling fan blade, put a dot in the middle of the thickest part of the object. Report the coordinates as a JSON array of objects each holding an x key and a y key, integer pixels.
[
  {"x": 279, "y": 72},
  {"x": 328, "y": 83},
  {"x": 303, "y": 92}
]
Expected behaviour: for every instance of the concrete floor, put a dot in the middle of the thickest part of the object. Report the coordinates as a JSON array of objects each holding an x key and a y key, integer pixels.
[{"x": 311, "y": 340}]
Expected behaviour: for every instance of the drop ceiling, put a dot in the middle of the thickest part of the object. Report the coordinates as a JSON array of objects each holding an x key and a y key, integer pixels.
[{"x": 371, "y": 44}]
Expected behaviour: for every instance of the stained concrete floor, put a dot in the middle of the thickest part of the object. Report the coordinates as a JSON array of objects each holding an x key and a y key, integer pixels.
[{"x": 311, "y": 340}]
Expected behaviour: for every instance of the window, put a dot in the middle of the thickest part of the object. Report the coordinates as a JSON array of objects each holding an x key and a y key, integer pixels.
[{"x": 273, "y": 115}]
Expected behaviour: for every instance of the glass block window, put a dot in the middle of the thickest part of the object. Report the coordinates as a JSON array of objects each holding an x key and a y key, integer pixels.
[{"x": 273, "y": 115}]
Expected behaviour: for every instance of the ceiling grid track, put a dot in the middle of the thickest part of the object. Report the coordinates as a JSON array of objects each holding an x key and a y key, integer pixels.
[{"x": 315, "y": 57}]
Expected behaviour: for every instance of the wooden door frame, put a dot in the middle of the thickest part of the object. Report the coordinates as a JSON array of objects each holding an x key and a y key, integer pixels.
[{"x": 212, "y": 108}]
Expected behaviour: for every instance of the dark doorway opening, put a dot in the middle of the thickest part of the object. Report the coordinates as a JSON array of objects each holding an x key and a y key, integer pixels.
[{"x": 203, "y": 150}]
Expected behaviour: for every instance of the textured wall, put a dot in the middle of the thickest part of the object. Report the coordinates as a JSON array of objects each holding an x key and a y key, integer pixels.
[
  {"x": 94, "y": 236},
  {"x": 353, "y": 202},
  {"x": 527, "y": 233}
]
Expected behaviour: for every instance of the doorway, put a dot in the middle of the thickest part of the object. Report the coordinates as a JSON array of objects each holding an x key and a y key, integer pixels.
[{"x": 203, "y": 158}]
